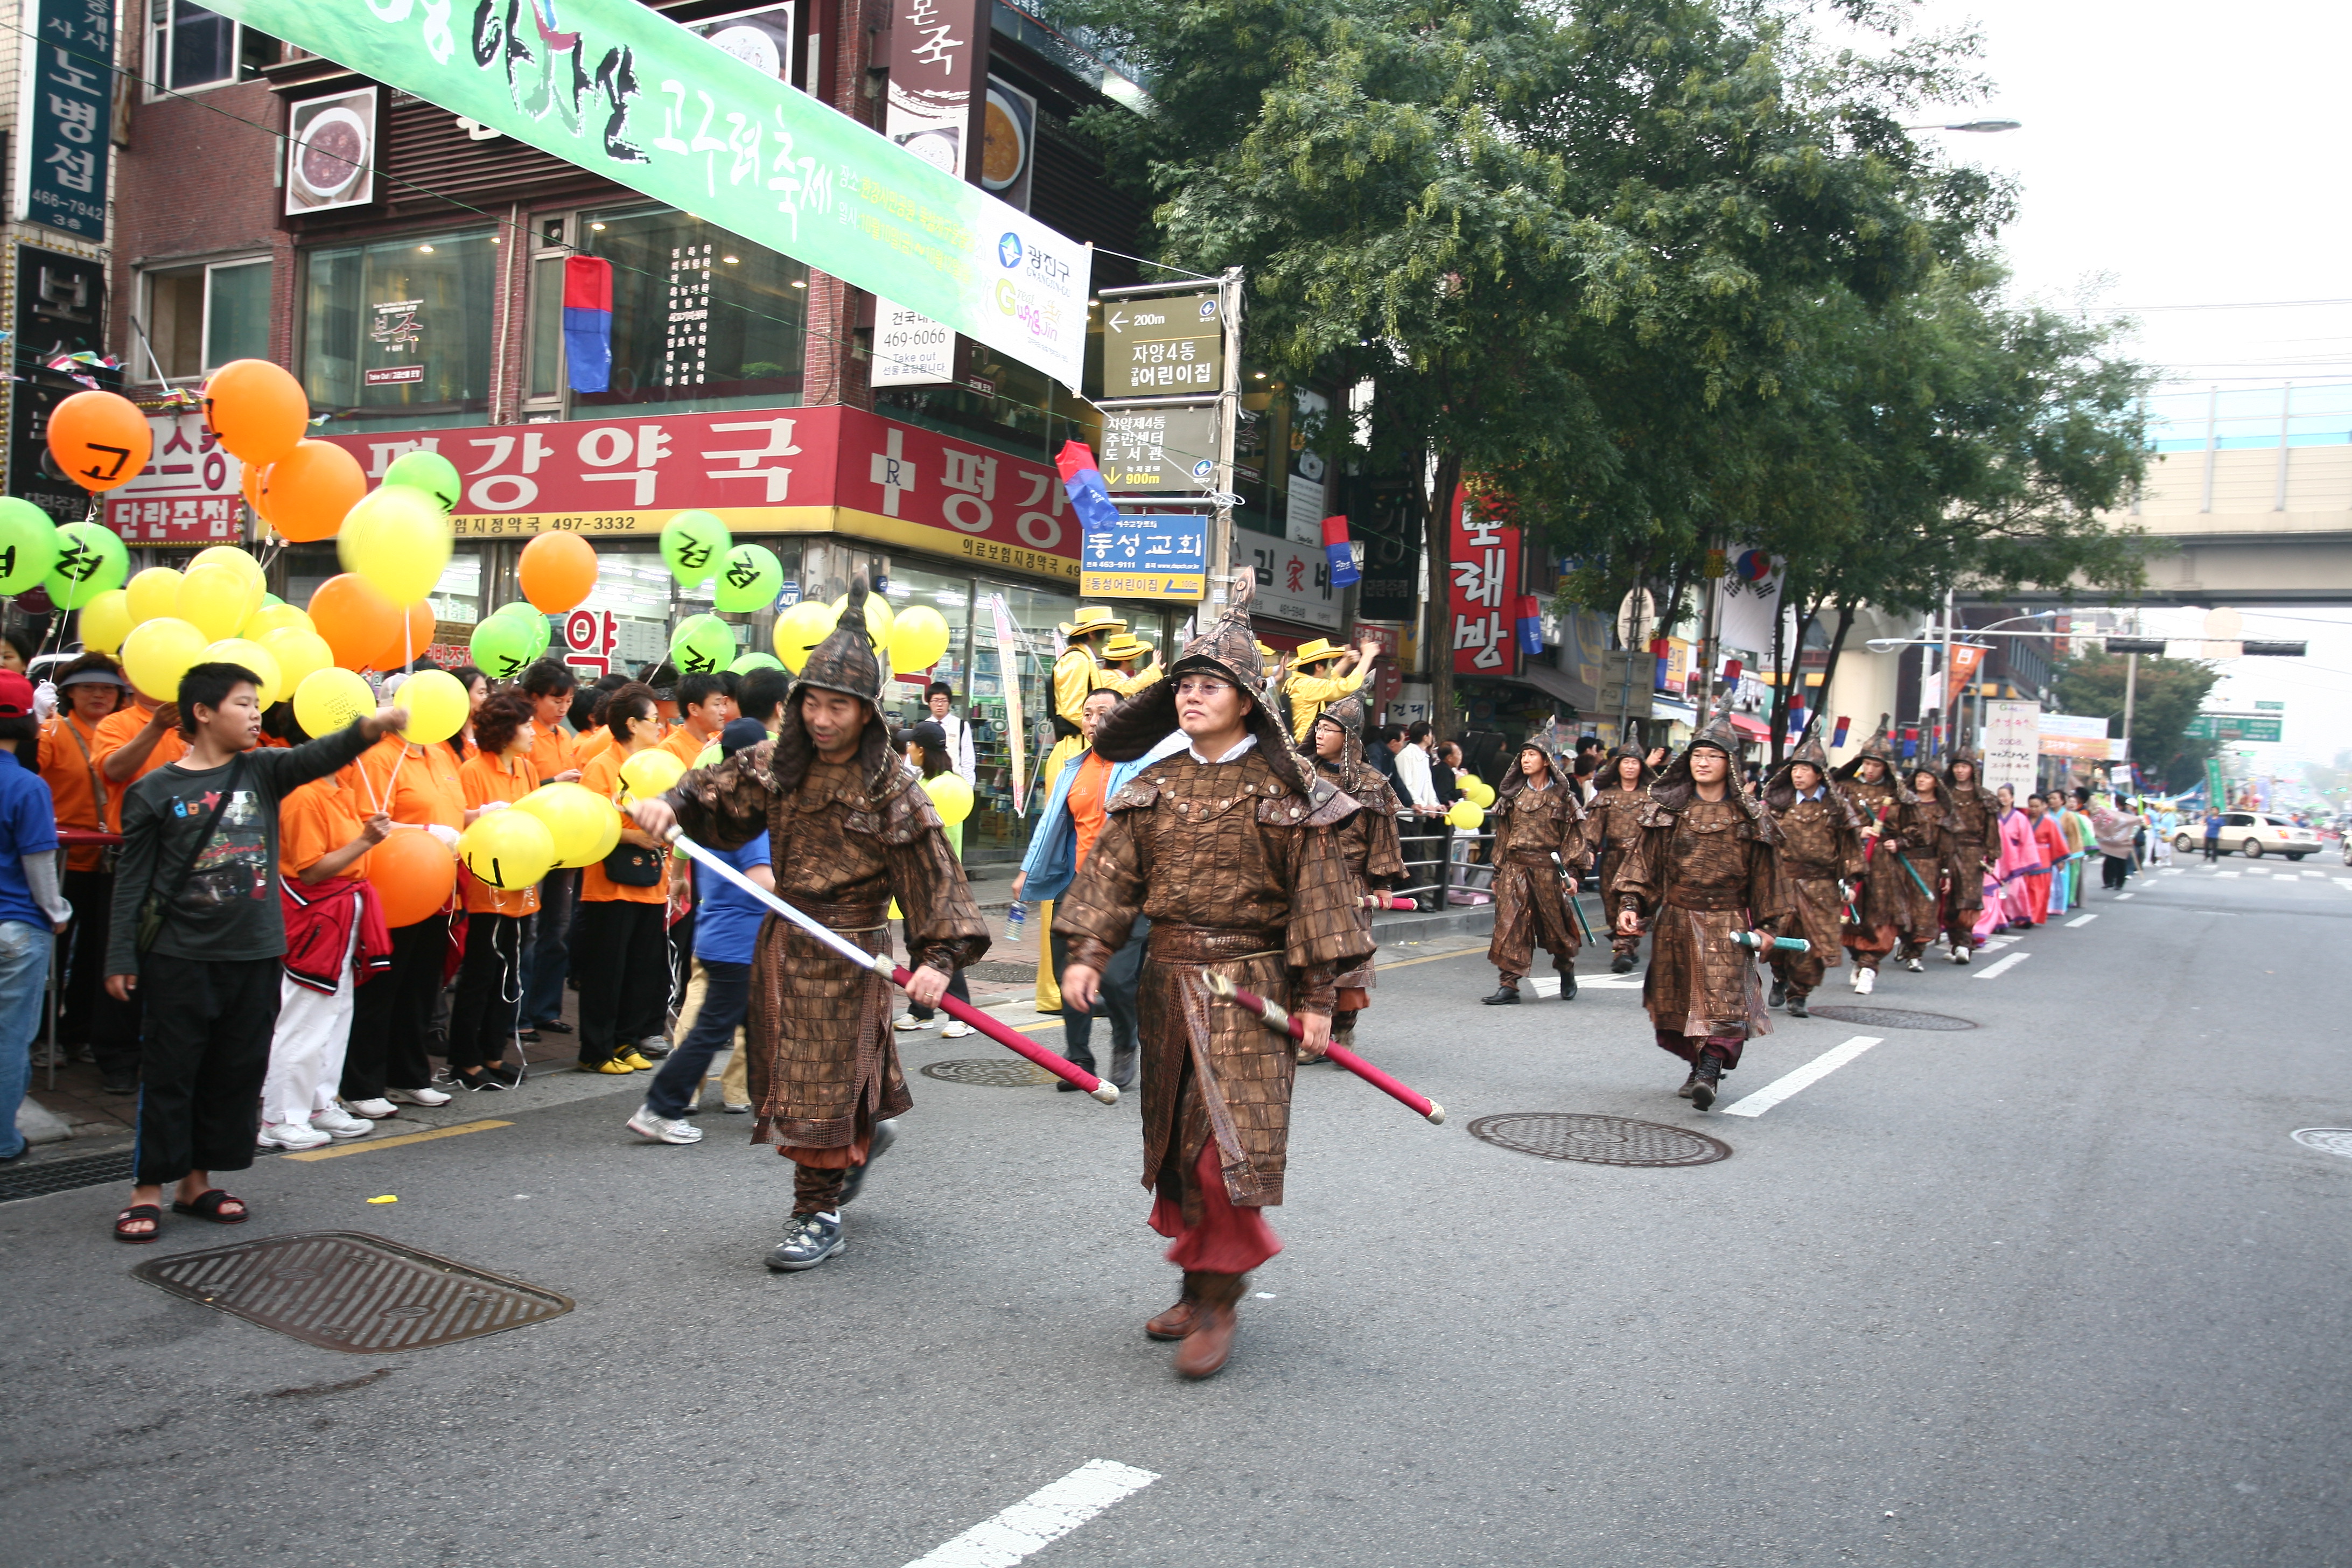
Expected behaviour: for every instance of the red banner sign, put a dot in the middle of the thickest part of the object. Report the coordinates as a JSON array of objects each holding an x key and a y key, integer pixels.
[{"x": 1482, "y": 591}]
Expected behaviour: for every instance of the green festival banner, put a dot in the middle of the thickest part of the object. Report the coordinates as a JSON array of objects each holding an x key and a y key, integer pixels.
[{"x": 621, "y": 91}]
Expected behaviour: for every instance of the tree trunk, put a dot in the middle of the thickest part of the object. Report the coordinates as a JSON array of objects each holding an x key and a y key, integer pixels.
[
  {"x": 1779, "y": 709},
  {"x": 1437, "y": 641},
  {"x": 1837, "y": 647}
]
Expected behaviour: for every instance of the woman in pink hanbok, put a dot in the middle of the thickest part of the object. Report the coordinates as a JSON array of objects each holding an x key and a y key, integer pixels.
[{"x": 2020, "y": 857}]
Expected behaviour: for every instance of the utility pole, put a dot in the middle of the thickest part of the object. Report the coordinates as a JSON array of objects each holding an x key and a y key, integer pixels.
[
  {"x": 2131, "y": 693},
  {"x": 1229, "y": 416}
]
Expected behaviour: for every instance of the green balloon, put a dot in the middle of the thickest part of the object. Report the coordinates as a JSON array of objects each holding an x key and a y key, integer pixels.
[
  {"x": 526, "y": 614},
  {"x": 695, "y": 544},
  {"x": 90, "y": 561},
  {"x": 502, "y": 645},
  {"x": 270, "y": 600},
  {"x": 752, "y": 661},
  {"x": 749, "y": 579},
  {"x": 28, "y": 544},
  {"x": 702, "y": 644},
  {"x": 431, "y": 472}
]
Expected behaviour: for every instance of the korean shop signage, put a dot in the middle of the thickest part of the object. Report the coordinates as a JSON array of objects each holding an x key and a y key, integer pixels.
[
  {"x": 1159, "y": 447},
  {"x": 62, "y": 123},
  {"x": 1163, "y": 345},
  {"x": 1163, "y": 556},
  {"x": 615, "y": 88},
  {"x": 1479, "y": 599}
]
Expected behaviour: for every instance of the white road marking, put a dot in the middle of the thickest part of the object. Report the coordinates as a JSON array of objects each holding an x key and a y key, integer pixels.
[
  {"x": 2226, "y": 873},
  {"x": 1043, "y": 1517},
  {"x": 1812, "y": 1072},
  {"x": 1993, "y": 970},
  {"x": 1547, "y": 985},
  {"x": 2080, "y": 920},
  {"x": 2121, "y": 897}
]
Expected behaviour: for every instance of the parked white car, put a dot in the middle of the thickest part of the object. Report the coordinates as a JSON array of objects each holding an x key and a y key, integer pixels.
[{"x": 2254, "y": 835}]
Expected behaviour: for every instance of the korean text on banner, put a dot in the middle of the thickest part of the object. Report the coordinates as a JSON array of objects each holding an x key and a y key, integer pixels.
[
  {"x": 620, "y": 90},
  {"x": 61, "y": 133},
  {"x": 1482, "y": 598},
  {"x": 2013, "y": 745}
]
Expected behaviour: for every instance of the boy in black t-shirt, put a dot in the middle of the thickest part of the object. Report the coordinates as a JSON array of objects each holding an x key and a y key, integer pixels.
[{"x": 209, "y": 969}]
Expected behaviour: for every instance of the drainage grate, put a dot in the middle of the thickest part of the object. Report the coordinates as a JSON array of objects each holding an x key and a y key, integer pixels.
[
  {"x": 1598, "y": 1140},
  {"x": 2327, "y": 1139},
  {"x": 1891, "y": 1018},
  {"x": 65, "y": 1175},
  {"x": 348, "y": 1291},
  {"x": 993, "y": 1073}
]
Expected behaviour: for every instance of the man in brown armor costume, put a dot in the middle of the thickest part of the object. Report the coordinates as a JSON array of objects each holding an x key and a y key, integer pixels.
[
  {"x": 1703, "y": 873},
  {"x": 1368, "y": 842},
  {"x": 1612, "y": 826},
  {"x": 1868, "y": 784},
  {"x": 850, "y": 828},
  {"x": 1821, "y": 849},
  {"x": 1909, "y": 884},
  {"x": 1975, "y": 832},
  {"x": 1228, "y": 847},
  {"x": 1540, "y": 835}
]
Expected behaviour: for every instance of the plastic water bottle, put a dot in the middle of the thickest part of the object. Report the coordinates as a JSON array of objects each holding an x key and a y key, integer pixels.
[{"x": 1016, "y": 920}]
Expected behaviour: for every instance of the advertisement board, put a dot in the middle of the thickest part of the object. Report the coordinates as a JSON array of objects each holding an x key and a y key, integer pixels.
[
  {"x": 188, "y": 494},
  {"x": 2073, "y": 736},
  {"x": 2013, "y": 745},
  {"x": 1481, "y": 592}
]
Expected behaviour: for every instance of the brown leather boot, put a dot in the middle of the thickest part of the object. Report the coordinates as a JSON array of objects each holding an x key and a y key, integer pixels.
[
  {"x": 1177, "y": 1321},
  {"x": 1204, "y": 1350}
]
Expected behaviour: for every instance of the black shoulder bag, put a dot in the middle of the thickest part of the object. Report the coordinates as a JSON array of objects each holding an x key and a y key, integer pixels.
[{"x": 157, "y": 909}]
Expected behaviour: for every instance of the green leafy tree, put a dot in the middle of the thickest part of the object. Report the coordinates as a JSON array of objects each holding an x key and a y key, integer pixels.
[{"x": 2167, "y": 695}]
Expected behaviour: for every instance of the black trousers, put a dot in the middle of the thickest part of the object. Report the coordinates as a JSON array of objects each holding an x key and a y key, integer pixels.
[
  {"x": 201, "y": 1065},
  {"x": 621, "y": 954},
  {"x": 87, "y": 1015},
  {"x": 489, "y": 992},
  {"x": 2213, "y": 848},
  {"x": 1120, "y": 984},
  {"x": 391, "y": 1013},
  {"x": 725, "y": 999}
]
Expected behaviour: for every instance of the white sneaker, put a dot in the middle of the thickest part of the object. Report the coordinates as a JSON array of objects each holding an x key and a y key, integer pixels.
[
  {"x": 663, "y": 1130},
  {"x": 1960, "y": 956},
  {"x": 292, "y": 1135},
  {"x": 374, "y": 1109},
  {"x": 337, "y": 1123},
  {"x": 909, "y": 1021},
  {"x": 1915, "y": 966},
  {"x": 1864, "y": 979},
  {"x": 956, "y": 1030},
  {"x": 416, "y": 1096}
]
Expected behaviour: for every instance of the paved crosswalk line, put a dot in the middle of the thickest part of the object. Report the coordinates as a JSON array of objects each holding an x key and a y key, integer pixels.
[{"x": 1812, "y": 1072}]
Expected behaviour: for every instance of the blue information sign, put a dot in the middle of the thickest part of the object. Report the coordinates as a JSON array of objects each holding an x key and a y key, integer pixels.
[
  {"x": 1161, "y": 555},
  {"x": 61, "y": 165}
]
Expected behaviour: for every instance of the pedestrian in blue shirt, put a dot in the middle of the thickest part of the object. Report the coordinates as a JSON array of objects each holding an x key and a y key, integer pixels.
[{"x": 32, "y": 899}]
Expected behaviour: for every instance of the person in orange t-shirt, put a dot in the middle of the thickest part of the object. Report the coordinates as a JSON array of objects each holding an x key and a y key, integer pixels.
[
  {"x": 705, "y": 703},
  {"x": 490, "y": 982},
  {"x": 547, "y": 960},
  {"x": 134, "y": 741},
  {"x": 619, "y": 939},
  {"x": 388, "y": 1065},
  {"x": 324, "y": 833},
  {"x": 68, "y": 761}
]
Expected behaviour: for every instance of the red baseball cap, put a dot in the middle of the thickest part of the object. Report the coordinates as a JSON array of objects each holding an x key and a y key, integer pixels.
[{"x": 15, "y": 696}]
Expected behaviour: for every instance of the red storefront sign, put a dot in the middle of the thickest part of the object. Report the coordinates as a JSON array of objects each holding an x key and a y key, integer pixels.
[
  {"x": 187, "y": 494},
  {"x": 1482, "y": 591}
]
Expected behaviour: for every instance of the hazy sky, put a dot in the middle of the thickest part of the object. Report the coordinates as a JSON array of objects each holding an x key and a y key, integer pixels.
[{"x": 2176, "y": 157}]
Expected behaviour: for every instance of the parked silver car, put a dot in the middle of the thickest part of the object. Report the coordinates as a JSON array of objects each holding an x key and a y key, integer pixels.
[{"x": 2254, "y": 834}]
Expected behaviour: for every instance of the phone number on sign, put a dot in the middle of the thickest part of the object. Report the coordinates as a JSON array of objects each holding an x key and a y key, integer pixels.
[{"x": 523, "y": 525}]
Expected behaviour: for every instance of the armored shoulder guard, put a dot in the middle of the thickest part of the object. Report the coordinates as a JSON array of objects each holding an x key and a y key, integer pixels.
[{"x": 1135, "y": 794}]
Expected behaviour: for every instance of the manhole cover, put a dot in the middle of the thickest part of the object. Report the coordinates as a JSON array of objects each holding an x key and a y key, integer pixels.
[
  {"x": 993, "y": 1073},
  {"x": 1598, "y": 1140},
  {"x": 2327, "y": 1139},
  {"x": 347, "y": 1291},
  {"x": 1891, "y": 1018}
]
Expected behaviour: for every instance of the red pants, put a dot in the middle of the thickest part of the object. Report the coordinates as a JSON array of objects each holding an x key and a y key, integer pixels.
[
  {"x": 1688, "y": 1047},
  {"x": 1228, "y": 1240}
]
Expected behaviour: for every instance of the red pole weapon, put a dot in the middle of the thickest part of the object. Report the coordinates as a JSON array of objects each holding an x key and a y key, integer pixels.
[
  {"x": 897, "y": 974},
  {"x": 1386, "y": 901},
  {"x": 1281, "y": 1021}
]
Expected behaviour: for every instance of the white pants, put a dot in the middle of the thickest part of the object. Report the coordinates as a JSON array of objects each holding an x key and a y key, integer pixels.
[{"x": 306, "y": 1054}]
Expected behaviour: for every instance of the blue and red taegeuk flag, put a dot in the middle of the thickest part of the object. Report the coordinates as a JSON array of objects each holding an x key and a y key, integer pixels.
[
  {"x": 588, "y": 322},
  {"x": 1338, "y": 552}
]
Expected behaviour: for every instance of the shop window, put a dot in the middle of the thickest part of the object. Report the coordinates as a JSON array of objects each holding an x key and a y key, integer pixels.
[
  {"x": 399, "y": 333},
  {"x": 994, "y": 831},
  {"x": 190, "y": 47},
  {"x": 199, "y": 318},
  {"x": 951, "y": 597},
  {"x": 702, "y": 319}
]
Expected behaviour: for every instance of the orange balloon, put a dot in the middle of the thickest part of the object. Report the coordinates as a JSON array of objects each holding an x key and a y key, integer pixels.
[
  {"x": 257, "y": 477},
  {"x": 354, "y": 618},
  {"x": 99, "y": 439},
  {"x": 558, "y": 571},
  {"x": 413, "y": 874},
  {"x": 405, "y": 648},
  {"x": 257, "y": 408},
  {"x": 304, "y": 493}
]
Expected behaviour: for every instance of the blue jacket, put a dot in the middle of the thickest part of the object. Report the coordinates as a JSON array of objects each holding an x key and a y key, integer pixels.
[{"x": 1051, "y": 862}]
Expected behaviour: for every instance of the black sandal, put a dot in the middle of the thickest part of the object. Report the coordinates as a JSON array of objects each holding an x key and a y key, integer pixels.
[
  {"x": 148, "y": 1211},
  {"x": 209, "y": 1203}
]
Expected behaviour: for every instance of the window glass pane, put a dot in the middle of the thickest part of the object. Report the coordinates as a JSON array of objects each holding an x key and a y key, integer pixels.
[
  {"x": 637, "y": 587},
  {"x": 456, "y": 598},
  {"x": 236, "y": 323},
  {"x": 203, "y": 45},
  {"x": 398, "y": 331},
  {"x": 547, "y": 327},
  {"x": 176, "y": 324},
  {"x": 701, "y": 319},
  {"x": 951, "y": 597},
  {"x": 992, "y": 832}
]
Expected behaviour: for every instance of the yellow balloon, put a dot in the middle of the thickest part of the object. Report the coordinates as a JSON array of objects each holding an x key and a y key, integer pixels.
[
  {"x": 152, "y": 593},
  {"x": 157, "y": 653},
  {"x": 276, "y": 619},
  {"x": 255, "y": 657},
  {"x": 398, "y": 540},
  {"x": 952, "y": 796},
  {"x": 1466, "y": 813},
  {"x": 801, "y": 628},
  {"x": 879, "y": 618},
  {"x": 1477, "y": 791},
  {"x": 230, "y": 556},
  {"x": 918, "y": 637},
  {"x": 507, "y": 848},
  {"x": 329, "y": 700},
  {"x": 216, "y": 599},
  {"x": 437, "y": 707},
  {"x": 299, "y": 652},
  {"x": 584, "y": 825},
  {"x": 106, "y": 621},
  {"x": 648, "y": 773}
]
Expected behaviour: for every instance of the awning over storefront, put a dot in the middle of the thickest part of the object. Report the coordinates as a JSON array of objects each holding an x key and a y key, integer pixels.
[{"x": 1749, "y": 728}]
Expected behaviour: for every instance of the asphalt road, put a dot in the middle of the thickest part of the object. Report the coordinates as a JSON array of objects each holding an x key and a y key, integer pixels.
[{"x": 2058, "y": 1290}]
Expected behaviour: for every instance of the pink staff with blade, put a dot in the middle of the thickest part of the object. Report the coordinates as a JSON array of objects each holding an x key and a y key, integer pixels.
[
  {"x": 1281, "y": 1021},
  {"x": 897, "y": 974}
]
